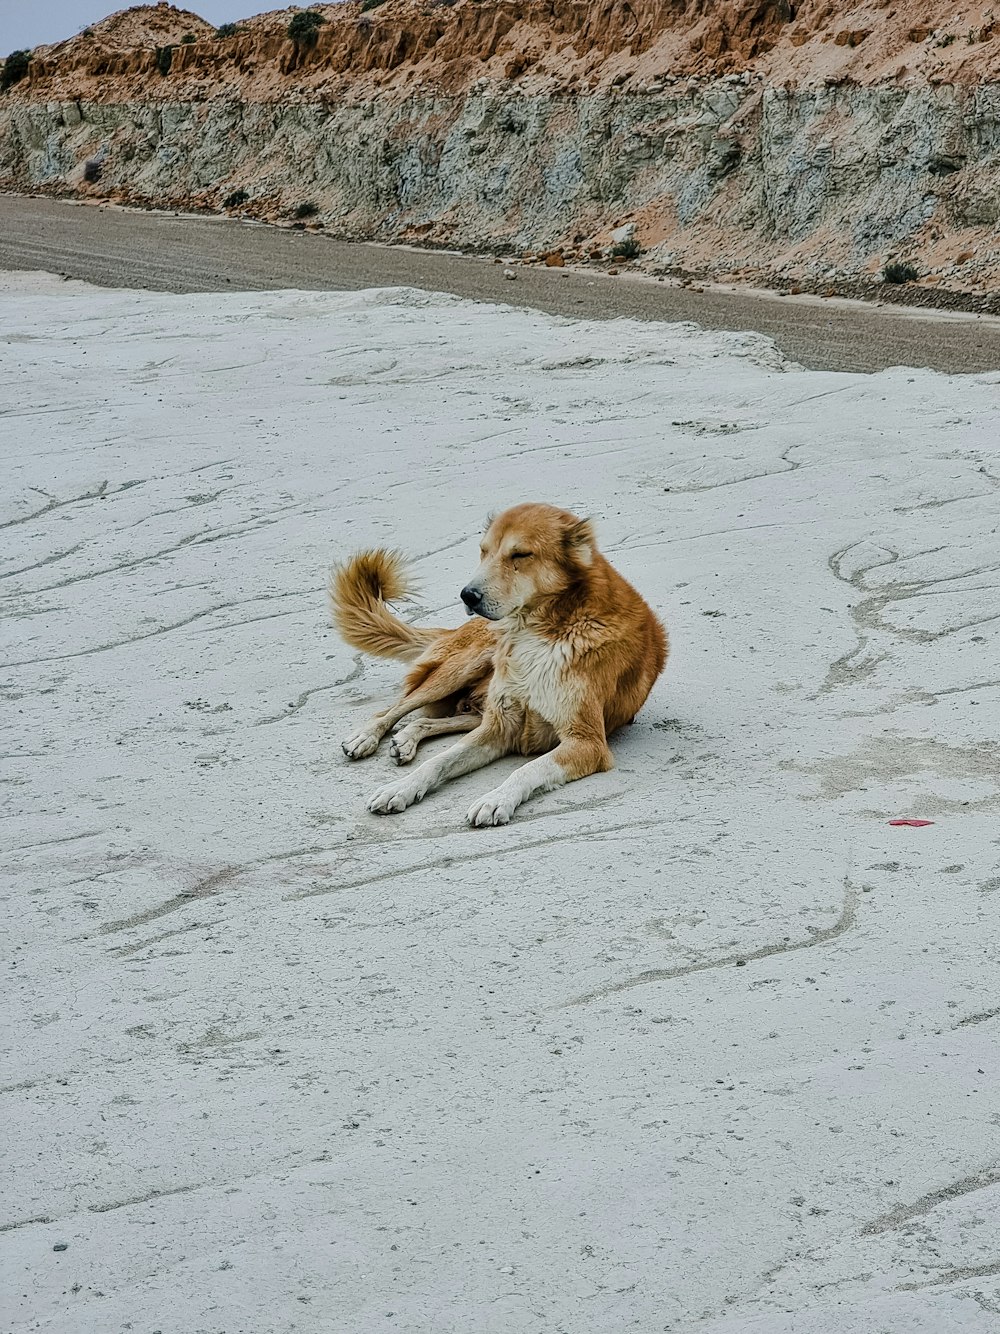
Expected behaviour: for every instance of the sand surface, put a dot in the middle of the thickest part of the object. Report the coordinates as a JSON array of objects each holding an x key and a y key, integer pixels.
[
  {"x": 703, "y": 1045},
  {"x": 125, "y": 248}
]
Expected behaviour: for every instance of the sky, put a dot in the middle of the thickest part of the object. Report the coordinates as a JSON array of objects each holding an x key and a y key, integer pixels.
[{"x": 28, "y": 23}]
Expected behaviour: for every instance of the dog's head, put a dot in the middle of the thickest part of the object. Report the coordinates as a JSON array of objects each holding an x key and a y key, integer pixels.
[{"x": 529, "y": 553}]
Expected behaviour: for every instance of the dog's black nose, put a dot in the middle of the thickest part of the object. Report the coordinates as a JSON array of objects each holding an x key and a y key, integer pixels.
[{"x": 471, "y": 597}]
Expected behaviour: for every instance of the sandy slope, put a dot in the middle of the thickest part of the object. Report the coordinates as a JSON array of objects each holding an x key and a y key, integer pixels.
[
  {"x": 559, "y": 43},
  {"x": 700, "y": 1045}
]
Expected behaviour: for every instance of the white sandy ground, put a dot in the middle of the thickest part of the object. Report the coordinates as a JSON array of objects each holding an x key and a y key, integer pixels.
[{"x": 701, "y": 1045}]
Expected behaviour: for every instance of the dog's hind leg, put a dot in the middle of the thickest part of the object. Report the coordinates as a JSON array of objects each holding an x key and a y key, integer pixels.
[
  {"x": 404, "y": 744},
  {"x": 366, "y": 742},
  {"x": 432, "y": 680}
]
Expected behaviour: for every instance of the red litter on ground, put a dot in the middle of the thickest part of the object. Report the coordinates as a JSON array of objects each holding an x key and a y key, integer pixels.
[{"x": 915, "y": 824}]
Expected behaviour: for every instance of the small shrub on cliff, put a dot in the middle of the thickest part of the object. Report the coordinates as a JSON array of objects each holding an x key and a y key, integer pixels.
[
  {"x": 92, "y": 170},
  {"x": 188, "y": 39},
  {"x": 227, "y": 30},
  {"x": 304, "y": 28},
  {"x": 15, "y": 67},
  {"x": 370, "y": 4},
  {"x": 899, "y": 273},
  {"x": 236, "y": 199},
  {"x": 164, "y": 59},
  {"x": 627, "y": 249},
  {"x": 306, "y": 210}
]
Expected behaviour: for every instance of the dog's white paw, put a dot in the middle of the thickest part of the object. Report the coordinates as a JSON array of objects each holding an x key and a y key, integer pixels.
[
  {"x": 493, "y": 808},
  {"x": 402, "y": 748},
  {"x": 395, "y": 797},
  {"x": 360, "y": 746}
]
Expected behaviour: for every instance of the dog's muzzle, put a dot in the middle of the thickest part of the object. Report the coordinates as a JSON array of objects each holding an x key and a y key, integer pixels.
[
  {"x": 477, "y": 604},
  {"x": 473, "y": 599}
]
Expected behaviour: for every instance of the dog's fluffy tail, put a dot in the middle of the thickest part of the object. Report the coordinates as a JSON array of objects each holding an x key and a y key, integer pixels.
[{"x": 359, "y": 590}]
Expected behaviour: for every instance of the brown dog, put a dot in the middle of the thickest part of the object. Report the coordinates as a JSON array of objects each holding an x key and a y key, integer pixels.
[{"x": 562, "y": 652}]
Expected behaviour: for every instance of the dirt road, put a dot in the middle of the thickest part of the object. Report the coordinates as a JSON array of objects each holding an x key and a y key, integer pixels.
[{"x": 163, "y": 252}]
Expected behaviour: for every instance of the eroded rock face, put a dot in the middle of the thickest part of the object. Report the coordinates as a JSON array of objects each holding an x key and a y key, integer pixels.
[
  {"x": 737, "y": 137},
  {"x": 727, "y": 171}
]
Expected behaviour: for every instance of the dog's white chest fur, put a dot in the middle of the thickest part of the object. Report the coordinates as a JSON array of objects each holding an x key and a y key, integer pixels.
[{"x": 534, "y": 674}]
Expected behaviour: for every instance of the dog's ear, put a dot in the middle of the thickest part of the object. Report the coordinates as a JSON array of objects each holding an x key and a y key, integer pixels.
[{"x": 581, "y": 541}]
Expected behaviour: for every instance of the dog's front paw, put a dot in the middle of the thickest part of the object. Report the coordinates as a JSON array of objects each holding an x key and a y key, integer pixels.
[
  {"x": 360, "y": 746},
  {"x": 402, "y": 748},
  {"x": 494, "y": 808},
  {"x": 396, "y": 797}
]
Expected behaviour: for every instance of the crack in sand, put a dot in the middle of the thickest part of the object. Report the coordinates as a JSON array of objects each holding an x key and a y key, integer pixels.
[
  {"x": 126, "y": 951},
  {"x": 217, "y": 881},
  {"x": 821, "y": 936},
  {"x": 206, "y": 535},
  {"x": 962, "y": 690},
  {"x": 938, "y": 504},
  {"x": 448, "y": 546},
  {"x": 23, "y": 1086},
  {"x": 697, "y": 537},
  {"x": 169, "y": 629},
  {"x": 206, "y": 888},
  {"x": 904, "y": 1213},
  {"x": 301, "y": 700},
  {"x": 690, "y": 488},
  {"x": 192, "y": 504},
  {"x": 24, "y": 1222},
  {"x": 868, "y": 615},
  {"x": 38, "y": 564},
  {"x": 140, "y": 1199},
  {"x": 982, "y": 1017},
  {"x": 93, "y": 494},
  {"x": 991, "y": 1269},
  {"x": 440, "y": 863},
  {"x": 64, "y": 838}
]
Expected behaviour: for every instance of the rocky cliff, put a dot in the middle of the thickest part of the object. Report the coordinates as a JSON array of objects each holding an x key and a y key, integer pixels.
[{"x": 806, "y": 143}]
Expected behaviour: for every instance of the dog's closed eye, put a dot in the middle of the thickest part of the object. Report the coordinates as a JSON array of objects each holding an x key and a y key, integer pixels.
[{"x": 521, "y": 555}]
